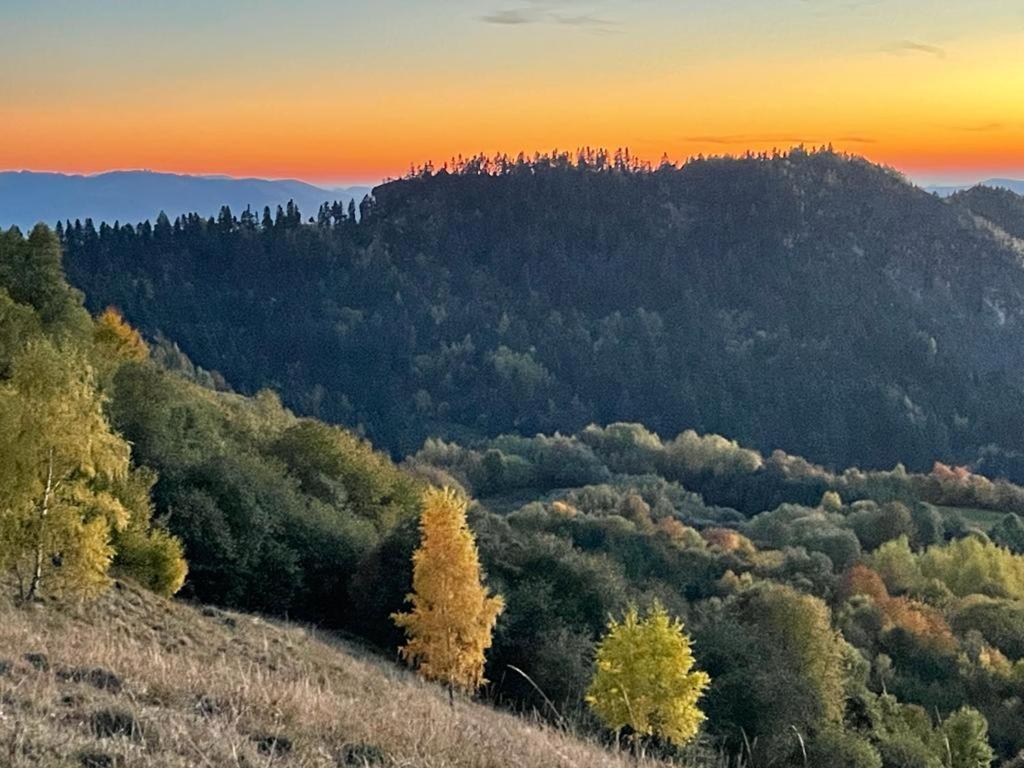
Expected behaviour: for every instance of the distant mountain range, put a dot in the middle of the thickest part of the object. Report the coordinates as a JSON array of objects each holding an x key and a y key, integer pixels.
[
  {"x": 1014, "y": 185},
  {"x": 28, "y": 197}
]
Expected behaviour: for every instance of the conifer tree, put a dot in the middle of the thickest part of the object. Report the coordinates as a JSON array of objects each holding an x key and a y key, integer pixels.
[
  {"x": 119, "y": 340},
  {"x": 644, "y": 679},
  {"x": 452, "y": 618},
  {"x": 56, "y": 460}
]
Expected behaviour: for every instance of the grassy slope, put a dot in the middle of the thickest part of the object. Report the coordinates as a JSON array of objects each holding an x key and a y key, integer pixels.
[{"x": 179, "y": 686}]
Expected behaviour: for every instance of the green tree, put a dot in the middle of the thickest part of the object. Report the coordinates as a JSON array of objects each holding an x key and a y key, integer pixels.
[
  {"x": 32, "y": 271},
  {"x": 18, "y": 324},
  {"x": 645, "y": 679},
  {"x": 341, "y": 469},
  {"x": 777, "y": 666},
  {"x": 1009, "y": 533},
  {"x": 966, "y": 736},
  {"x": 975, "y": 565},
  {"x": 838, "y": 748},
  {"x": 897, "y": 565}
]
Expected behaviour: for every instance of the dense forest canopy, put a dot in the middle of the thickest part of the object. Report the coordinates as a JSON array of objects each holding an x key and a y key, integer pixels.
[
  {"x": 863, "y": 618},
  {"x": 806, "y": 301}
]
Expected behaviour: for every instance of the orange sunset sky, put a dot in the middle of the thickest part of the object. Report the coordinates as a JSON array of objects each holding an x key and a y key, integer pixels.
[{"x": 334, "y": 92}]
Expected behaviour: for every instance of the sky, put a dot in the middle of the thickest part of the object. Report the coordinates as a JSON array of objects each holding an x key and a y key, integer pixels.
[{"x": 343, "y": 92}]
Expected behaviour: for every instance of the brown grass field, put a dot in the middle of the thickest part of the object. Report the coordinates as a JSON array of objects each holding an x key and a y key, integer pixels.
[{"x": 135, "y": 680}]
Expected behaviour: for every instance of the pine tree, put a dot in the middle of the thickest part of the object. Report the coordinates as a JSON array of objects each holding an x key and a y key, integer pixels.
[
  {"x": 644, "y": 679},
  {"x": 56, "y": 460},
  {"x": 452, "y": 617}
]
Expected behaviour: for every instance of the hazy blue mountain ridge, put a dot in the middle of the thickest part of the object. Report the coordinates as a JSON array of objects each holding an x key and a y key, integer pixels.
[{"x": 27, "y": 197}]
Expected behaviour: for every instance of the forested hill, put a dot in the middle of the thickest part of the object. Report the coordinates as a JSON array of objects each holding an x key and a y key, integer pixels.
[
  {"x": 808, "y": 301},
  {"x": 1001, "y": 207}
]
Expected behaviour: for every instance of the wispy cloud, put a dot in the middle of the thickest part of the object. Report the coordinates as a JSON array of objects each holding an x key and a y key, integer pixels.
[
  {"x": 539, "y": 13},
  {"x": 903, "y": 47},
  {"x": 779, "y": 139},
  {"x": 582, "y": 20},
  {"x": 512, "y": 17},
  {"x": 977, "y": 127},
  {"x": 746, "y": 138}
]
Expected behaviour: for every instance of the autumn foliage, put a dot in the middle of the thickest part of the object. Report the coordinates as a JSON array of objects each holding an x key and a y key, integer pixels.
[
  {"x": 644, "y": 679},
  {"x": 119, "y": 339},
  {"x": 57, "y": 514},
  {"x": 728, "y": 540},
  {"x": 452, "y": 618},
  {"x": 922, "y": 620}
]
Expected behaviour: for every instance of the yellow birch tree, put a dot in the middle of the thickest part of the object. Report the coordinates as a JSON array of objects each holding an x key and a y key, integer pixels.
[
  {"x": 56, "y": 456},
  {"x": 644, "y": 680}
]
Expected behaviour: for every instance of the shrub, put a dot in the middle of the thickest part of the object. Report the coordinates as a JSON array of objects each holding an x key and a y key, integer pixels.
[
  {"x": 838, "y": 748},
  {"x": 1000, "y": 622}
]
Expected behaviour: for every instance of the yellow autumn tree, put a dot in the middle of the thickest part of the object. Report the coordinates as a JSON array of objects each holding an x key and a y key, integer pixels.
[
  {"x": 145, "y": 552},
  {"x": 57, "y": 458},
  {"x": 117, "y": 338},
  {"x": 452, "y": 619},
  {"x": 644, "y": 678}
]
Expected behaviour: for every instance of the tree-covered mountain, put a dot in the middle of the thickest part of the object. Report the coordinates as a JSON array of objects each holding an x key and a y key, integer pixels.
[
  {"x": 862, "y": 619},
  {"x": 1001, "y": 207},
  {"x": 27, "y": 197},
  {"x": 808, "y": 301}
]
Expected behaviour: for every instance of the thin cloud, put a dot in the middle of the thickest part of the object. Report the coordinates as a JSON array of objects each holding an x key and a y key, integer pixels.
[
  {"x": 546, "y": 14},
  {"x": 856, "y": 139},
  {"x": 902, "y": 47},
  {"x": 583, "y": 20},
  {"x": 512, "y": 17},
  {"x": 978, "y": 127},
  {"x": 746, "y": 138},
  {"x": 779, "y": 139}
]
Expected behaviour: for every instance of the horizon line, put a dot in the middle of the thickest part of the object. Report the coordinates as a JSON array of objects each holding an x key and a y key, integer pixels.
[{"x": 923, "y": 179}]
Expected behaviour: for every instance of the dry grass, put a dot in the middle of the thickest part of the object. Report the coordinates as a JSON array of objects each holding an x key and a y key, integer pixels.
[{"x": 134, "y": 680}]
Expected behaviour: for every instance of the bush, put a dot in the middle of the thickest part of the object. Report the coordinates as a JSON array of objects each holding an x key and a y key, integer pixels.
[
  {"x": 837, "y": 748},
  {"x": 1009, "y": 533},
  {"x": 906, "y": 751},
  {"x": 897, "y": 565},
  {"x": 1000, "y": 622},
  {"x": 153, "y": 558},
  {"x": 876, "y": 525}
]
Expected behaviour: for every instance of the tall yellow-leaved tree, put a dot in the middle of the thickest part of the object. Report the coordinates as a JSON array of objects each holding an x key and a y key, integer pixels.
[
  {"x": 644, "y": 678},
  {"x": 58, "y": 457},
  {"x": 118, "y": 341},
  {"x": 452, "y": 619}
]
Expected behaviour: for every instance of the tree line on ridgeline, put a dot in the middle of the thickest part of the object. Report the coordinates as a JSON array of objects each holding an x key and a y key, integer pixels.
[{"x": 804, "y": 300}]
